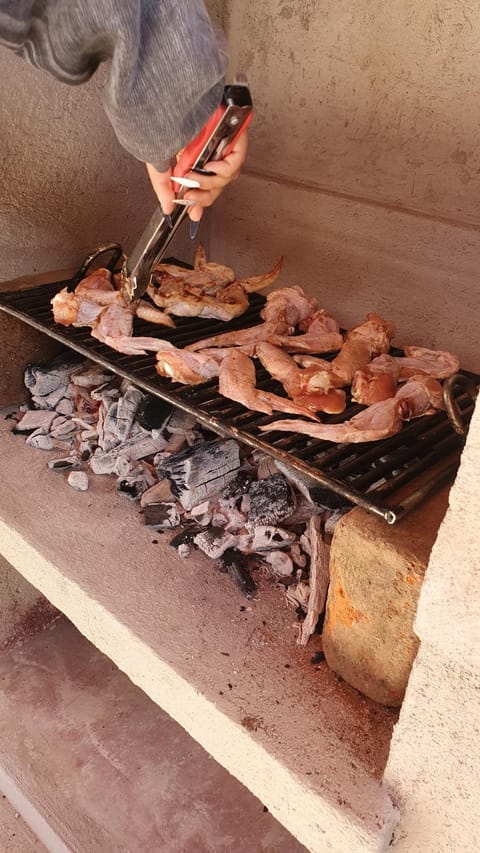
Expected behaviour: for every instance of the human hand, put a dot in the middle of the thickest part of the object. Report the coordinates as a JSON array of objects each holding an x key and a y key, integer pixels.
[{"x": 226, "y": 170}]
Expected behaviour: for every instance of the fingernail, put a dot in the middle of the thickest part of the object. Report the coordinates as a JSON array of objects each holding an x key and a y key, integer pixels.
[
  {"x": 186, "y": 182},
  {"x": 185, "y": 202},
  {"x": 207, "y": 172},
  {"x": 194, "y": 226},
  {"x": 168, "y": 217}
]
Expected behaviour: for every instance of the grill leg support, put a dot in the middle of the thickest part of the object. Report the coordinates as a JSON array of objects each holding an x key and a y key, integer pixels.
[{"x": 376, "y": 574}]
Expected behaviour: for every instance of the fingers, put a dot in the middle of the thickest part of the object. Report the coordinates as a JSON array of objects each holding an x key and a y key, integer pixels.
[
  {"x": 226, "y": 171},
  {"x": 162, "y": 187}
]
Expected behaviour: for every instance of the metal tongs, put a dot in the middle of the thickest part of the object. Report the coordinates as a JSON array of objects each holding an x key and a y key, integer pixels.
[{"x": 214, "y": 142}]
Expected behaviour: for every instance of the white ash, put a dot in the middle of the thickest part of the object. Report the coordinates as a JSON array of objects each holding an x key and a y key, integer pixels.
[
  {"x": 36, "y": 420},
  {"x": 78, "y": 480},
  {"x": 40, "y": 441},
  {"x": 50, "y": 401},
  {"x": 65, "y": 407}
]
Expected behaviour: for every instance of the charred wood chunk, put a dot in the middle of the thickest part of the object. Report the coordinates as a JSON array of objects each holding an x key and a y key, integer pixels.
[
  {"x": 153, "y": 412},
  {"x": 186, "y": 536},
  {"x": 214, "y": 541},
  {"x": 238, "y": 486},
  {"x": 202, "y": 471},
  {"x": 271, "y": 500},
  {"x": 163, "y": 516},
  {"x": 36, "y": 419},
  {"x": 267, "y": 538},
  {"x": 236, "y": 565},
  {"x": 180, "y": 422},
  {"x": 42, "y": 380}
]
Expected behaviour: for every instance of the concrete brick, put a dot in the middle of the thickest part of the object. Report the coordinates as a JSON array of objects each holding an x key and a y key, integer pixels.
[{"x": 376, "y": 575}]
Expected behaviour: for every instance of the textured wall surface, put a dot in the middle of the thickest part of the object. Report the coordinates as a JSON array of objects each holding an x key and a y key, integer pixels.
[{"x": 364, "y": 159}]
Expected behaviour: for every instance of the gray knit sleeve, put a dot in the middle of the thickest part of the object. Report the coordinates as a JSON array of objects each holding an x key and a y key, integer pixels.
[{"x": 166, "y": 62}]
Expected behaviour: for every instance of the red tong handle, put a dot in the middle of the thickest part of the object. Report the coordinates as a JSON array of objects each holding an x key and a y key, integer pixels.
[{"x": 217, "y": 138}]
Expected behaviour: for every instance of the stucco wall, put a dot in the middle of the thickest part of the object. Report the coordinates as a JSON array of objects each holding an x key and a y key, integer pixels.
[{"x": 364, "y": 167}]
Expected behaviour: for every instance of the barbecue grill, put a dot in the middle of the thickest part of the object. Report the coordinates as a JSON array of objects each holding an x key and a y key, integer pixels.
[{"x": 423, "y": 456}]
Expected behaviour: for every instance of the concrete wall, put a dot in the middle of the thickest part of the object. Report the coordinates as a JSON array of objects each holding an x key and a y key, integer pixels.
[{"x": 364, "y": 168}]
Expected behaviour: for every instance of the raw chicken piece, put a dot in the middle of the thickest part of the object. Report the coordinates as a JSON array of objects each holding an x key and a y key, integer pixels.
[
  {"x": 311, "y": 388},
  {"x": 209, "y": 290},
  {"x": 283, "y": 310},
  {"x": 190, "y": 368},
  {"x": 378, "y": 421},
  {"x": 431, "y": 362},
  {"x": 419, "y": 396},
  {"x": 237, "y": 382},
  {"x": 363, "y": 342},
  {"x": 322, "y": 334},
  {"x": 377, "y": 381}
]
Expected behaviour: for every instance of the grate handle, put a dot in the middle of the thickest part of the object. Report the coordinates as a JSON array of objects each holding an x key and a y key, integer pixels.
[
  {"x": 114, "y": 248},
  {"x": 451, "y": 405}
]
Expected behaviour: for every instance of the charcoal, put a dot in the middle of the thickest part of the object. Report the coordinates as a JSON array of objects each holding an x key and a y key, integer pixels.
[
  {"x": 280, "y": 562},
  {"x": 127, "y": 408},
  {"x": 329, "y": 499},
  {"x": 236, "y": 565},
  {"x": 184, "y": 551},
  {"x": 64, "y": 407},
  {"x": 271, "y": 500},
  {"x": 302, "y": 482},
  {"x": 186, "y": 536},
  {"x": 78, "y": 480},
  {"x": 267, "y": 538},
  {"x": 214, "y": 541},
  {"x": 50, "y": 401},
  {"x": 133, "y": 485},
  {"x": 64, "y": 464},
  {"x": 298, "y": 596},
  {"x": 91, "y": 377},
  {"x": 106, "y": 393},
  {"x": 161, "y": 516},
  {"x": 139, "y": 445},
  {"x": 159, "y": 493},
  {"x": 202, "y": 513},
  {"x": 35, "y": 419},
  {"x": 40, "y": 441},
  {"x": 201, "y": 472},
  {"x": 180, "y": 422},
  {"x": 238, "y": 486},
  {"x": 153, "y": 412},
  {"x": 42, "y": 380}
]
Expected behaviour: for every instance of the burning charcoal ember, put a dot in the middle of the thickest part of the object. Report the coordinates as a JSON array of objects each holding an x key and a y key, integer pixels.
[
  {"x": 202, "y": 471},
  {"x": 64, "y": 407},
  {"x": 180, "y": 422},
  {"x": 280, "y": 562},
  {"x": 153, "y": 413},
  {"x": 43, "y": 380},
  {"x": 159, "y": 493},
  {"x": 65, "y": 464},
  {"x": 161, "y": 516},
  {"x": 237, "y": 567},
  {"x": 267, "y": 538},
  {"x": 50, "y": 401},
  {"x": 271, "y": 500},
  {"x": 36, "y": 420},
  {"x": 319, "y": 579},
  {"x": 78, "y": 480},
  {"x": 134, "y": 484},
  {"x": 40, "y": 441},
  {"x": 214, "y": 542},
  {"x": 186, "y": 535}
]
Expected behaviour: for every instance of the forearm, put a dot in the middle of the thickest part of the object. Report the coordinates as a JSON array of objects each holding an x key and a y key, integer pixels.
[{"x": 167, "y": 66}]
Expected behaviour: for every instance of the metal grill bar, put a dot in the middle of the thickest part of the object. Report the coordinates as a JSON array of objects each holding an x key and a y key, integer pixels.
[{"x": 365, "y": 474}]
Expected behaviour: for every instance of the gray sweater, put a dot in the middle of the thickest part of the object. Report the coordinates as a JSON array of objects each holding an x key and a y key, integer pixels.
[{"x": 166, "y": 62}]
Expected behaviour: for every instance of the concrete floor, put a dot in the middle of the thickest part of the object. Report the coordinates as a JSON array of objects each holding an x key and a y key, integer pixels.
[
  {"x": 108, "y": 769},
  {"x": 15, "y": 835}
]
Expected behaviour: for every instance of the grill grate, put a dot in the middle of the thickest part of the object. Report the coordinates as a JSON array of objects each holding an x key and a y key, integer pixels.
[{"x": 367, "y": 475}]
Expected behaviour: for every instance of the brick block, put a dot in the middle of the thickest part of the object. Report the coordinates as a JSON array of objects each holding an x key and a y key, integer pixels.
[{"x": 376, "y": 573}]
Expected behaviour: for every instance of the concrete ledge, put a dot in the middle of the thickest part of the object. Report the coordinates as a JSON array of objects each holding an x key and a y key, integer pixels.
[{"x": 311, "y": 748}]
